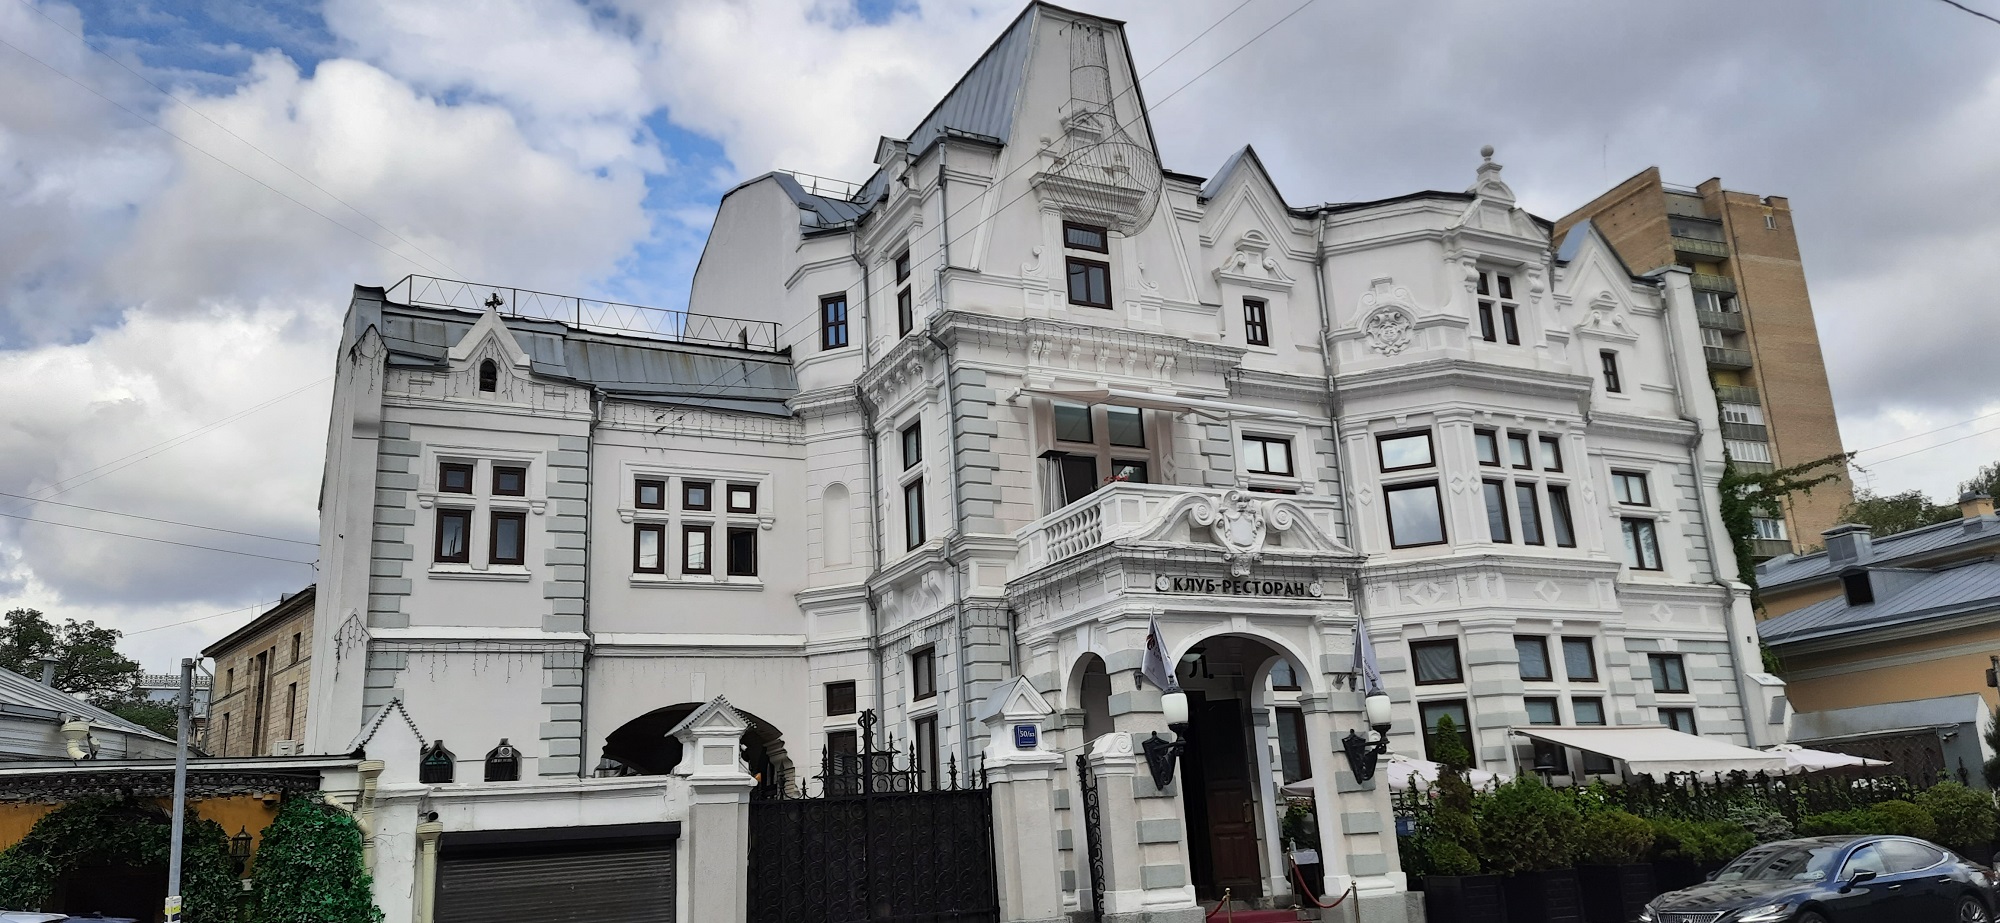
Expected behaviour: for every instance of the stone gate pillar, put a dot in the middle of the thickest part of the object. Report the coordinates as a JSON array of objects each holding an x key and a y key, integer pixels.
[
  {"x": 1357, "y": 822},
  {"x": 717, "y": 835},
  {"x": 1144, "y": 838},
  {"x": 1021, "y": 772}
]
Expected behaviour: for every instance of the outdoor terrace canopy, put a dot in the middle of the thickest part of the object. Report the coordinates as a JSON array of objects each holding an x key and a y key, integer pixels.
[{"x": 1655, "y": 750}]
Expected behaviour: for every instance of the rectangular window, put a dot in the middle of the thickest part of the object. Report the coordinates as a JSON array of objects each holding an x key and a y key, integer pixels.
[
  {"x": 649, "y": 548},
  {"x": 1770, "y": 223},
  {"x": 833, "y": 321},
  {"x": 913, "y": 445},
  {"x": 297, "y": 638},
  {"x": 1294, "y": 756},
  {"x": 1591, "y": 711},
  {"x": 840, "y": 698},
  {"x": 694, "y": 550},
  {"x": 649, "y": 494},
  {"x": 841, "y": 748},
  {"x": 1510, "y": 324},
  {"x": 1630, "y": 488},
  {"x": 923, "y": 673},
  {"x": 291, "y": 710},
  {"x": 1125, "y": 426},
  {"x": 694, "y": 495},
  {"x": 1531, "y": 513},
  {"x": 1072, "y": 422},
  {"x": 1549, "y": 757},
  {"x": 1743, "y": 413},
  {"x": 1669, "y": 675},
  {"x": 1079, "y": 476},
  {"x": 1488, "y": 446},
  {"x": 1409, "y": 450},
  {"x": 925, "y": 731},
  {"x": 1266, "y": 455},
  {"x": 1256, "y": 326},
  {"x": 1642, "y": 544},
  {"x": 902, "y": 266},
  {"x": 1089, "y": 283},
  {"x": 1533, "y": 651},
  {"x": 1129, "y": 471},
  {"x": 1086, "y": 237},
  {"x": 1486, "y": 322},
  {"x": 743, "y": 498},
  {"x": 1560, "y": 521},
  {"x": 1744, "y": 450},
  {"x": 1496, "y": 512},
  {"x": 1552, "y": 453},
  {"x": 510, "y": 481},
  {"x": 509, "y": 538},
  {"x": 743, "y": 552},
  {"x": 1430, "y": 712},
  {"x": 1610, "y": 361},
  {"x": 454, "y": 478},
  {"x": 454, "y": 536},
  {"x": 913, "y": 513},
  {"x": 1517, "y": 451},
  {"x": 1436, "y": 662},
  {"x": 1416, "y": 514},
  {"x": 1579, "y": 660},
  {"x": 906, "y": 312},
  {"x": 1680, "y": 719},
  {"x": 1772, "y": 530}
]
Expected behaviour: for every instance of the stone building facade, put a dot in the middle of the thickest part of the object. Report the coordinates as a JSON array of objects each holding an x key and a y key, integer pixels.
[{"x": 262, "y": 687}]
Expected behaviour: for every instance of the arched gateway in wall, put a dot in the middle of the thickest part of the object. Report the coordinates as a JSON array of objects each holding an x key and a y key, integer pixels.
[{"x": 644, "y": 745}]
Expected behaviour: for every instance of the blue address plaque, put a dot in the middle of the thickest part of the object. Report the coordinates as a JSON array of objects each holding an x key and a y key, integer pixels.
[{"x": 1027, "y": 736}]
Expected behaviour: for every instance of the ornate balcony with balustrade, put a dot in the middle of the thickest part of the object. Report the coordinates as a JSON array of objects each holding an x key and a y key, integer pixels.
[{"x": 1243, "y": 524}]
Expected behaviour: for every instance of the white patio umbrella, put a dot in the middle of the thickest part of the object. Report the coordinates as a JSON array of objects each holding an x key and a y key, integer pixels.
[
  {"x": 1401, "y": 770},
  {"x": 1801, "y": 759}
]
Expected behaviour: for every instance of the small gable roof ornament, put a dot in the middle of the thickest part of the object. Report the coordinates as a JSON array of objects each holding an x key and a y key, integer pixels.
[{"x": 1488, "y": 185}]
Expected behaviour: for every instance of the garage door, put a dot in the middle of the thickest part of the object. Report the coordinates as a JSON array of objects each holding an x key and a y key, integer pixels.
[{"x": 583, "y": 874}]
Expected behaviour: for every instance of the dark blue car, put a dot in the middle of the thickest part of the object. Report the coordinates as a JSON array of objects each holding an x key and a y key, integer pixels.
[{"x": 1836, "y": 879}]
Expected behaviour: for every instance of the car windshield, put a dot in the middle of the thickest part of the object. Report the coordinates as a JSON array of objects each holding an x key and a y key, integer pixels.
[{"x": 1781, "y": 862}]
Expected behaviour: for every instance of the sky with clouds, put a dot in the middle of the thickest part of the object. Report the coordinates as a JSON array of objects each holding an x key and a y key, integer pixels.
[{"x": 189, "y": 190}]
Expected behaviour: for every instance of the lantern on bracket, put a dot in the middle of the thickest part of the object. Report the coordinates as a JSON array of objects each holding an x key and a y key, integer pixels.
[
  {"x": 437, "y": 764},
  {"x": 503, "y": 763}
]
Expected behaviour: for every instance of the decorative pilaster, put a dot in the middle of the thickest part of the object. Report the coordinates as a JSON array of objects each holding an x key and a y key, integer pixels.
[
  {"x": 718, "y": 822},
  {"x": 427, "y": 869},
  {"x": 1021, "y": 770}
]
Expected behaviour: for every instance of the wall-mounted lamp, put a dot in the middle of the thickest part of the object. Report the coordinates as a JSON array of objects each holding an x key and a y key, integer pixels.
[
  {"x": 437, "y": 764},
  {"x": 503, "y": 763},
  {"x": 239, "y": 851},
  {"x": 1162, "y": 755},
  {"x": 1363, "y": 754}
]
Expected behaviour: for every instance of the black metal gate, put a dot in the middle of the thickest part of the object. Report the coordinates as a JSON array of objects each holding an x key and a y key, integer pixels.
[
  {"x": 1086, "y": 787},
  {"x": 876, "y": 844}
]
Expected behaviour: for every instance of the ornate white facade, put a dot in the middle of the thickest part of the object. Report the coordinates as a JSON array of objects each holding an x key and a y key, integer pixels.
[{"x": 959, "y": 468}]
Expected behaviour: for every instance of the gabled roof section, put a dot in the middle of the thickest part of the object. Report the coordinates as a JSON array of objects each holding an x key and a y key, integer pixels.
[
  {"x": 1949, "y": 591},
  {"x": 1572, "y": 243},
  {"x": 1901, "y": 547},
  {"x": 1245, "y": 158},
  {"x": 292, "y": 605},
  {"x": 983, "y": 101},
  {"x": 21, "y": 696}
]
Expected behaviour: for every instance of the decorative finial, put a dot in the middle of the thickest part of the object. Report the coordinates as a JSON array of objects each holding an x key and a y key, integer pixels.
[
  {"x": 1487, "y": 152},
  {"x": 494, "y": 303}
]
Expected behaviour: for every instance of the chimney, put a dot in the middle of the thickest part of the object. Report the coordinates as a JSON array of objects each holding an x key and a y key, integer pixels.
[
  {"x": 1972, "y": 504},
  {"x": 1848, "y": 544},
  {"x": 48, "y": 670}
]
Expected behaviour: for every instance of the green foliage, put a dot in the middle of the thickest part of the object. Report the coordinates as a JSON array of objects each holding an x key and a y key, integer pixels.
[
  {"x": 1747, "y": 494},
  {"x": 1763, "y": 821},
  {"x": 1986, "y": 481},
  {"x": 308, "y": 868},
  {"x": 1904, "y": 818},
  {"x": 1857, "y": 822},
  {"x": 1300, "y": 825},
  {"x": 1446, "y": 748},
  {"x": 1992, "y": 768},
  {"x": 101, "y": 830},
  {"x": 146, "y": 713},
  {"x": 1966, "y": 820},
  {"x": 1444, "y": 857},
  {"x": 89, "y": 663},
  {"x": 1526, "y": 826},
  {"x": 1888, "y": 515},
  {"x": 1700, "y": 840},
  {"x": 1447, "y": 838},
  {"x": 1614, "y": 837}
]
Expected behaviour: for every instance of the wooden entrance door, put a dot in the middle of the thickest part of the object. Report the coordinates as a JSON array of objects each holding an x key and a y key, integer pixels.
[{"x": 1222, "y": 743}]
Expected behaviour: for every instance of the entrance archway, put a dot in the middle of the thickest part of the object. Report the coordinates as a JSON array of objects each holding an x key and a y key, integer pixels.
[
  {"x": 1093, "y": 686},
  {"x": 1241, "y": 745},
  {"x": 643, "y": 746}
]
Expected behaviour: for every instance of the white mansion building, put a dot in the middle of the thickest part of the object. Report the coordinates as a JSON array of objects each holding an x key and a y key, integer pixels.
[{"x": 993, "y": 412}]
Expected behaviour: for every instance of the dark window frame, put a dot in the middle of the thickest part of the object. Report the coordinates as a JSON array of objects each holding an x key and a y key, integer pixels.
[
  {"x": 659, "y": 531},
  {"x": 1265, "y": 443},
  {"x": 1621, "y": 478},
  {"x": 923, "y": 674},
  {"x": 902, "y": 265},
  {"x": 729, "y": 498},
  {"x": 1608, "y": 360},
  {"x": 1671, "y": 718},
  {"x": 1528, "y": 505},
  {"x": 1444, "y": 530},
  {"x": 1557, "y": 756},
  {"x": 1562, "y": 521},
  {"x": 906, "y": 312},
  {"x": 1553, "y": 445},
  {"x": 735, "y": 566},
  {"x": 913, "y": 514},
  {"x": 1487, "y": 489},
  {"x": 1103, "y": 234},
  {"x": 707, "y": 489},
  {"x": 518, "y": 471},
  {"x": 659, "y": 486},
  {"x": 1664, "y": 679},
  {"x": 924, "y": 747},
  {"x": 445, "y": 469},
  {"x": 1486, "y": 326},
  {"x": 1458, "y": 662},
  {"x": 464, "y": 555},
  {"x": 1482, "y": 439},
  {"x": 489, "y": 376},
  {"x": 1526, "y": 460},
  {"x": 841, "y": 698},
  {"x": 1510, "y": 323},
  {"x": 1594, "y": 764},
  {"x": 1430, "y": 451},
  {"x": 913, "y": 444},
  {"x": 1464, "y": 728},
  {"x": 1632, "y": 528},
  {"x": 1548, "y": 674},
  {"x": 1070, "y": 266},
  {"x": 520, "y": 520},
  {"x": 832, "y": 328},
  {"x": 1256, "y": 322},
  {"x": 707, "y": 546},
  {"x": 1292, "y": 722},
  {"x": 1596, "y": 674}
]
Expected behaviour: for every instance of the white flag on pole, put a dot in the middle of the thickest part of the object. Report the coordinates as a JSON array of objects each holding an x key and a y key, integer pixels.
[
  {"x": 1155, "y": 666},
  {"x": 1364, "y": 659}
]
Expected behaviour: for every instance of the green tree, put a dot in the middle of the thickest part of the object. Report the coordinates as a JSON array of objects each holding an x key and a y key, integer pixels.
[
  {"x": 1748, "y": 494},
  {"x": 88, "y": 662},
  {"x": 1987, "y": 481},
  {"x": 308, "y": 869},
  {"x": 158, "y": 717},
  {"x": 1888, "y": 515},
  {"x": 1993, "y": 765}
]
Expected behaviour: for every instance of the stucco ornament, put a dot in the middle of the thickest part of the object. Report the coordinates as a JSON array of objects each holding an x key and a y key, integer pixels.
[
  {"x": 1389, "y": 329},
  {"x": 1237, "y": 524}
]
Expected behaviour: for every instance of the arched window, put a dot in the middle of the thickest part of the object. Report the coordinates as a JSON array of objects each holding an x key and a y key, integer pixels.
[{"x": 489, "y": 375}]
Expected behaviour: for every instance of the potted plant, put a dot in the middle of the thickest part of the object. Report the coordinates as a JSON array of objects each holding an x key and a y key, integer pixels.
[
  {"x": 1613, "y": 874},
  {"x": 1447, "y": 846},
  {"x": 1529, "y": 832}
]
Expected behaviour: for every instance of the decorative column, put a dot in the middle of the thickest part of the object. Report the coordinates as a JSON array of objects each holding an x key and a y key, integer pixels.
[
  {"x": 427, "y": 869},
  {"x": 717, "y": 835},
  {"x": 1143, "y": 835},
  {"x": 1357, "y": 837},
  {"x": 1021, "y": 771}
]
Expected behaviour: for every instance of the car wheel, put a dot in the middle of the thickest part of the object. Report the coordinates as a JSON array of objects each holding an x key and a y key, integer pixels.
[
  {"x": 1809, "y": 917},
  {"x": 1970, "y": 910}
]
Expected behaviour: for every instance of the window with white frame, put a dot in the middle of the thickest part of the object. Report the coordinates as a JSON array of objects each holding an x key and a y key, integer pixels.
[
  {"x": 1718, "y": 302},
  {"x": 1743, "y": 413},
  {"x": 1744, "y": 450},
  {"x": 1769, "y": 529},
  {"x": 682, "y": 522},
  {"x": 1090, "y": 446},
  {"x": 1412, "y": 499}
]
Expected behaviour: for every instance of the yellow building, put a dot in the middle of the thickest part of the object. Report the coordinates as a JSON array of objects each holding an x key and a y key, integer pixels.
[
  {"x": 263, "y": 680},
  {"x": 1885, "y": 643},
  {"x": 1757, "y": 329}
]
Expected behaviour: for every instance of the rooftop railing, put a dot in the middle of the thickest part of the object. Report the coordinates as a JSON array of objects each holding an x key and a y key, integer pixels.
[{"x": 588, "y": 313}]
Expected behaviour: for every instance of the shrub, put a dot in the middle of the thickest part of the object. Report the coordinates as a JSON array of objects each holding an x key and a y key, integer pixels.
[
  {"x": 98, "y": 830},
  {"x": 1858, "y": 822},
  {"x": 1903, "y": 818},
  {"x": 1444, "y": 857},
  {"x": 1526, "y": 826},
  {"x": 1763, "y": 822},
  {"x": 309, "y": 870},
  {"x": 1966, "y": 820},
  {"x": 1614, "y": 837},
  {"x": 1700, "y": 840},
  {"x": 1453, "y": 819}
]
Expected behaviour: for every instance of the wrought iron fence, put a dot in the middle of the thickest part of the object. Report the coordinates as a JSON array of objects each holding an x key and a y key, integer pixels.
[{"x": 588, "y": 313}]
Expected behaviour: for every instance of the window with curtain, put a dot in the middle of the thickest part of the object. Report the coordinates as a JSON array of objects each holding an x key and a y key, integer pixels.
[
  {"x": 1579, "y": 660},
  {"x": 1436, "y": 662}
]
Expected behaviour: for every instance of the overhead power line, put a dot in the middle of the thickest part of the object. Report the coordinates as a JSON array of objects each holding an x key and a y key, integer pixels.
[
  {"x": 1973, "y": 11},
  {"x": 1983, "y": 432},
  {"x": 163, "y": 541},
  {"x": 170, "y": 522},
  {"x": 199, "y": 618},
  {"x": 1927, "y": 432},
  {"x": 246, "y": 141}
]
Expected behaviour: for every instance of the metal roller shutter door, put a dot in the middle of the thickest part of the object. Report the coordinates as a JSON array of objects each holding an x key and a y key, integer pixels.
[{"x": 559, "y": 884}]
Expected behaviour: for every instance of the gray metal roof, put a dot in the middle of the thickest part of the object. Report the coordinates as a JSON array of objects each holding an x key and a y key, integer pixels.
[
  {"x": 627, "y": 368},
  {"x": 1902, "y": 596},
  {"x": 984, "y": 100},
  {"x": 1889, "y": 549},
  {"x": 23, "y": 696}
]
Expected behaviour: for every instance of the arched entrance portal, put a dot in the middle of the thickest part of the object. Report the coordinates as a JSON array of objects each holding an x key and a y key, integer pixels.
[
  {"x": 643, "y": 746},
  {"x": 1244, "y": 743}
]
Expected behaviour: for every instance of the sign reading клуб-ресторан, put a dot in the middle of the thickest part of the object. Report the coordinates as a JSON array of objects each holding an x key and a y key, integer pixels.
[{"x": 1238, "y": 586}]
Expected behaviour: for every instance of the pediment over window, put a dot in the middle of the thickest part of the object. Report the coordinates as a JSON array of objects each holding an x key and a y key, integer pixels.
[{"x": 1251, "y": 263}]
